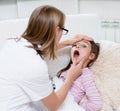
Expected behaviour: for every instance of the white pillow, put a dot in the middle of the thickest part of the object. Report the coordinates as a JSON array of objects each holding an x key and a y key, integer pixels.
[
  {"x": 106, "y": 70},
  {"x": 63, "y": 57}
]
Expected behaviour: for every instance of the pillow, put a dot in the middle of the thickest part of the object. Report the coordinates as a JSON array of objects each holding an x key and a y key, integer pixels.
[
  {"x": 63, "y": 58},
  {"x": 107, "y": 74},
  {"x": 106, "y": 70}
]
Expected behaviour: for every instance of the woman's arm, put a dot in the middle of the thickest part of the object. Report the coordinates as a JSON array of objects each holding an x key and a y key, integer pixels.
[
  {"x": 54, "y": 100},
  {"x": 73, "y": 40}
]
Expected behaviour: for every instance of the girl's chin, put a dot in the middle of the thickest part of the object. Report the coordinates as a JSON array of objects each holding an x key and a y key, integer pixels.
[{"x": 77, "y": 59}]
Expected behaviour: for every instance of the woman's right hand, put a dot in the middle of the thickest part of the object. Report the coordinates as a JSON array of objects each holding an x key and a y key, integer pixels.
[{"x": 76, "y": 68}]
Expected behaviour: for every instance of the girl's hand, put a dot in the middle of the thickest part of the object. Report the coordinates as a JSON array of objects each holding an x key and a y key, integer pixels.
[{"x": 76, "y": 68}]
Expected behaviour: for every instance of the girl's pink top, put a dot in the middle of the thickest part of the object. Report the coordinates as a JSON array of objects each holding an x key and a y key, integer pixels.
[{"x": 84, "y": 86}]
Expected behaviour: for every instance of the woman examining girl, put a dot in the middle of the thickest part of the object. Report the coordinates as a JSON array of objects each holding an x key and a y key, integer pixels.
[{"x": 24, "y": 78}]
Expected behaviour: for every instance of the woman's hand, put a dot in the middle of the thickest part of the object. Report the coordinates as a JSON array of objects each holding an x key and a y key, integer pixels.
[
  {"x": 78, "y": 38},
  {"x": 73, "y": 40},
  {"x": 76, "y": 68}
]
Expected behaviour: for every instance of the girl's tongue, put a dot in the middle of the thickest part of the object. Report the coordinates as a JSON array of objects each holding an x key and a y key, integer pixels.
[{"x": 76, "y": 54}]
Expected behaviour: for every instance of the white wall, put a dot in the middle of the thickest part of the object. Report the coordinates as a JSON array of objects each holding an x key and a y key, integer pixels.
[
  {"x": 108, "y": 11},
  {"x": 27, "y": 6},
  {"x": 10, "y": 9}
]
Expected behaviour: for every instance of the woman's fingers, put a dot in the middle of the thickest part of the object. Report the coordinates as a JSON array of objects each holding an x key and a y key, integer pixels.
[
  {"x": 81, "y": 62},
  {"x": 87, "y": 38},
  {"x": 75, "y": 62},
  {"x": 80, "y": 37}
]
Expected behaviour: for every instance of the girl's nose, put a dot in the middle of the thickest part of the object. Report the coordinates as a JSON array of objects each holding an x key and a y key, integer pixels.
[{"x": 77, "y": 46}]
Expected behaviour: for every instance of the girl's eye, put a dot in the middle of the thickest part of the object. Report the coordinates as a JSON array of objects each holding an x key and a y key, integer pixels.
[{"x": 83, "y": 45}]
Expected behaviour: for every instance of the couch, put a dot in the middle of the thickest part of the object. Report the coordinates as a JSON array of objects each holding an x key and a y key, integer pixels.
[{"x": 106, "y": 68}]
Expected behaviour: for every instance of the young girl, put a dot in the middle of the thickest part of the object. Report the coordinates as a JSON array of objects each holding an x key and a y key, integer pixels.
[{"x": 84, "y": 85}]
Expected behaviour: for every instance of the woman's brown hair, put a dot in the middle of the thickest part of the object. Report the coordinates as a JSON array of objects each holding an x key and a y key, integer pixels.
[
  {"x": 94, "y": 49},
  {"x": 41, "y": 29}
]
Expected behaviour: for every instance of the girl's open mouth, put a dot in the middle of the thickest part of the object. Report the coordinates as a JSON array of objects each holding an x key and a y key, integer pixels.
[{"x": 76, "y": 54}]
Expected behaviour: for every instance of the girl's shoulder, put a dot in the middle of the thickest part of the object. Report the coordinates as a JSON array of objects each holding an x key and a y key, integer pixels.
[
  {"x": 87, "y": 74},
  {"x": 87, "y": 71}
]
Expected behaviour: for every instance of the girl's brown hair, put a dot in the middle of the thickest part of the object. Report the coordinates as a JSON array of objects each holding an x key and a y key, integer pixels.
[
  {"x": 94, "y": 49},
  {"x": 41, "y": 29}
]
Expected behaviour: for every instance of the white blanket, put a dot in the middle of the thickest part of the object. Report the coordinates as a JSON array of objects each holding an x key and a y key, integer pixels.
[{"x": 69, "y": 104}]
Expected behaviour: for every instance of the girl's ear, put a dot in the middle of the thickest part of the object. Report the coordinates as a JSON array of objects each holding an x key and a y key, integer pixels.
[{"x": 92, "y": 56}]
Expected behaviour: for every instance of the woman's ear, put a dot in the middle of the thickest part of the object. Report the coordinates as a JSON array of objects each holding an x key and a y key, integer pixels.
[
  {"x": 92, "y": 56},
  {"x": 58, "y": 34},
  {"x": 57, "y": 30}
]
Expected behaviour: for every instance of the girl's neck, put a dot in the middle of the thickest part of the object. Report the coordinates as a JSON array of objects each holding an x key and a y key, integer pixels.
[{"x": 86, "y": 63}]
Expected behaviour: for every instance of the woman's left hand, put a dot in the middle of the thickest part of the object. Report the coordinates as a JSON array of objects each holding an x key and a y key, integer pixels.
[
  {"x": 78, "y": 38},
  {"x": 73, "y": 40}
]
